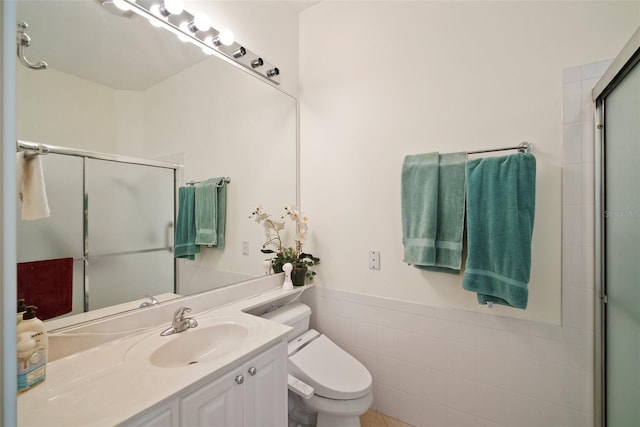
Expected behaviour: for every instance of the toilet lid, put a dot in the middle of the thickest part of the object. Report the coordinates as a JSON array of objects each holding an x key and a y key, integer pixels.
[{"x": 331, "y": 371}]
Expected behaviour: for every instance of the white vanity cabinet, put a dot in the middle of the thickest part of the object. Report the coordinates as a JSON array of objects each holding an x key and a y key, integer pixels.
[
  {"x": 253, "y": 394},
  {"x": 161, "y": 416}
]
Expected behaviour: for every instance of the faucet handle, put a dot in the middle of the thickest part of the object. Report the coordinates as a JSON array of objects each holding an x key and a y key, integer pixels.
[
  {"x": 179, "y": 314},
  {"x": 152, "y": 301}
]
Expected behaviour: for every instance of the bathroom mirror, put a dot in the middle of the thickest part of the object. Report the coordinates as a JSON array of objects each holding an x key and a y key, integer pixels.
[{"x": 116, "y": 84}]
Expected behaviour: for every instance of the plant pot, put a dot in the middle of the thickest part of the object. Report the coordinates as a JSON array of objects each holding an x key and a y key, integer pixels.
[
  {"x": 277, "y": 268},
  {"x": 298, "y": 276}
]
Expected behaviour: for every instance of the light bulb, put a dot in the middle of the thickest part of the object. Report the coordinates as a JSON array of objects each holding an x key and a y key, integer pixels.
[
  {"x": 155, "y": 23},
  {"x": 122, "y": 5},
  {"x": 201, "y": 22},
  {"x": 226, "y": 37},
  {"x": 174, "y": 7},
  {"x": 184, "y": 26}
]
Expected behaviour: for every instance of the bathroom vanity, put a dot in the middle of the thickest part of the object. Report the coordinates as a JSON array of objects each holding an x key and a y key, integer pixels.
[
  {"x": 244, "y": 396},
  {"x": 229, "y": 370}
]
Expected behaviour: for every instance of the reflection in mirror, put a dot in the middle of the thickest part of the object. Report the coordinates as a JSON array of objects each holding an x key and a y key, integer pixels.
[{"x": 115, "y": 84}]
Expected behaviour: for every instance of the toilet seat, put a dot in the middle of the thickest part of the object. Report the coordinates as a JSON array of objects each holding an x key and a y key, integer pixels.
[{"x": 331, "y": 371}]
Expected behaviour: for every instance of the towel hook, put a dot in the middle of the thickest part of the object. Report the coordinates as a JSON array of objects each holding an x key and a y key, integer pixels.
[{"x": 23, "y": 40}]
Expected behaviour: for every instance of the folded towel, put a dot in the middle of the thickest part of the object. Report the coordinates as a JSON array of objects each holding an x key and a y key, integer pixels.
[
  {"x": 31, "y": 189},
  {"x": 500, "y": 212},
  {"x": 185, "y": 236},
  {"x": 206, "y": 216},
  {"x": 48, "y": 285},
  {"x": 419, "y": 205},
  {"x": 450, "y": 229}
]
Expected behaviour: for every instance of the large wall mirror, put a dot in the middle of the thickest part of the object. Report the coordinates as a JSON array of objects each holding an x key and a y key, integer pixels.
[{"x": 116, "y": 84}]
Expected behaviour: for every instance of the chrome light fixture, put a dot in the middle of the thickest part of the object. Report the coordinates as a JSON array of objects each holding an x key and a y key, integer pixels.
[
  {"x": 240, "y": 52},
  {"x": 196, "y": 29},
  {"x": 258, "y": 62}
]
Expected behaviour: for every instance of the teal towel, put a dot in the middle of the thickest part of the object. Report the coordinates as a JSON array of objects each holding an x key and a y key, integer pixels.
[
  {"x": 185, "y": 235},
  {"x": 206, "y": 213},
  {"x": 419, "y": 204},
  {"x": 451, "y": 197},
  {"x": 211, "y": 212},
  {"x": 433, "y": 210},
  {"x": 501, "y": 194},
  {"x": 221, "y": 212}
]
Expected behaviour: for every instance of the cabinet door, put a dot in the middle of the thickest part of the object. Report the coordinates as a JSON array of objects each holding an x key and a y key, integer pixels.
[
  {"x": 162, "y": 416},
  {"x": 218, "y": 404},
  {"x": 266, "y": 389}
]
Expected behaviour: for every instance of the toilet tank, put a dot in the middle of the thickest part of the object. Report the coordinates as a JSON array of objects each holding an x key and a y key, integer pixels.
[{"x": 294, "y": 314}]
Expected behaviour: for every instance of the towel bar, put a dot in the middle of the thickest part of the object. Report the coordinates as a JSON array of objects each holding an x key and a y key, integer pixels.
[
  {"x": 225, "y": 180},
  {"x": 39, "y": 149},
  {"x": 523, "y": 147}
]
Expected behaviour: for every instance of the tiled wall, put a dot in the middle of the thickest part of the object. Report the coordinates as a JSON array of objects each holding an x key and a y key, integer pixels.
[{"x": 445, "y": 367}]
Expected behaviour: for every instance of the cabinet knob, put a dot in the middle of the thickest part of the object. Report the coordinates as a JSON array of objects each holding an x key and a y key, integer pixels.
[
  {"x": 252, "y": 371},
  {"x": 239, "y": 379}
]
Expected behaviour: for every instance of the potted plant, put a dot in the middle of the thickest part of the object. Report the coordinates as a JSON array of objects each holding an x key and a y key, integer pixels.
[{"x": 301, "y": 261}]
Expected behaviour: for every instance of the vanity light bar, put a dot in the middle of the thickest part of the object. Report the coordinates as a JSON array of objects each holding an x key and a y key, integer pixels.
[{"x": 181, "y": 25}]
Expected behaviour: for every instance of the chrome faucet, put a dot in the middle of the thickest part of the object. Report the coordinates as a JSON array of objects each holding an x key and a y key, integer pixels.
[
  {"x": 152, "y": 301},
  {"x": 180, "y": 323}
]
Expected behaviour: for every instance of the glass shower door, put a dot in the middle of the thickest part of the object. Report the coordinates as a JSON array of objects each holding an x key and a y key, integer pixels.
[
  {"x": 129, "y": 232},
  {"x": 622, "y": 252}
]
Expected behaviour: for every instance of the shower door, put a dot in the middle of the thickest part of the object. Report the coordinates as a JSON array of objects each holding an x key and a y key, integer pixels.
[
  {"x": 130, "y": 211},
  {"x": 619, "y": 121},
  {"x": 113, "y": 217}
]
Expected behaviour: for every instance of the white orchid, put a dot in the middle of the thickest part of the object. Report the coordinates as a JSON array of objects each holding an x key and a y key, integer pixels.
[{"x": 272, "y": 230}]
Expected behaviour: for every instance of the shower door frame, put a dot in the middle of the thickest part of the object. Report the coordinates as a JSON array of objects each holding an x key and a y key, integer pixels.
[
  {"x": 178, "y": 178},
  {"x": 621, "y": 65}
]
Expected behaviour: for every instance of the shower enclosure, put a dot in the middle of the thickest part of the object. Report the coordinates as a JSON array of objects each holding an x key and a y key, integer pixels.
[
  {"x": 114, "y": 216},
  {"x": 617, "y": 98}
]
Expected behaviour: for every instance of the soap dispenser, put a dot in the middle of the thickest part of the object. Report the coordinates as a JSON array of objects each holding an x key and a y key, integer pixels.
[
  {"x": 30, "y": 323},
  {"x": 22, "y": 307},
  {"x": 31, "y": 362}
]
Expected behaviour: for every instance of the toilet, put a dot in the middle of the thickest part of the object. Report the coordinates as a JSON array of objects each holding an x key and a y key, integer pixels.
[{"x": 331, "y": 382}]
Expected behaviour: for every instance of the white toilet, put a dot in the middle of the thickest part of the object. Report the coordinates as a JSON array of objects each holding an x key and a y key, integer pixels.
[{"x": 331, "y": 381}]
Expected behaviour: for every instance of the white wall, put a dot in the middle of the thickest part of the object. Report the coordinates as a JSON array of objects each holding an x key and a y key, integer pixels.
[
  {"x": 435, "y": 366},
  {"x": 60, "y": 109},
  {"x": 380, "y": 80}
]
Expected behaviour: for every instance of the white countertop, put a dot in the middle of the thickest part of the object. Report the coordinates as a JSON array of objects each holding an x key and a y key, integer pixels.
[{"x": 108, "y": 384}]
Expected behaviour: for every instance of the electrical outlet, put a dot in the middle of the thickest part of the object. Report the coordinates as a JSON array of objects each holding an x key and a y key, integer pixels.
[
  {"x": 245, "y": 248},
  {"x": 374, "y": 260}
]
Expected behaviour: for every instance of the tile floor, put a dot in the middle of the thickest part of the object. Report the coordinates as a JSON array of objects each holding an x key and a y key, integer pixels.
[{"x": 372, "y": 418}]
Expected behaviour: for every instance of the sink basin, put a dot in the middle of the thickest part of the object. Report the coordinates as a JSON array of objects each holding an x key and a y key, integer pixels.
[
  {"x": 199, "y": 344},
  {"x": 216, "y": 338}
]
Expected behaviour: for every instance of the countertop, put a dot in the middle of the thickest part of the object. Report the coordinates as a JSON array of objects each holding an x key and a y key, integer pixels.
[{"x": 106, "y": 385}]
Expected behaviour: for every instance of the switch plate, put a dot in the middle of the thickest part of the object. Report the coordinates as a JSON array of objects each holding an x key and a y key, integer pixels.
[
  {"x": 245, "y": 248},
  {"x": 374, "y": 260}
]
